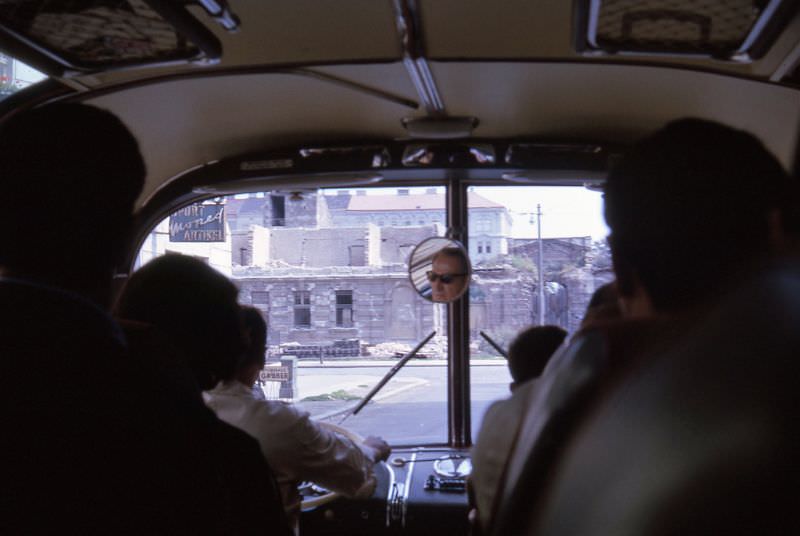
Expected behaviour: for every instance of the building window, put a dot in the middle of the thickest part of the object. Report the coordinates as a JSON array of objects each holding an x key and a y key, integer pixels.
[
  {"x": 488, "y": 247},
  {"x": 302, "y": 309},
  {"x": 259, "y": 297},
  {"x": 405, "y": 251},
  {"x": 278, "y": 210},
  {"x": 480, "y": 247},
  {"x": 344, "y": 308},
  {"x": 357, "y": 256},
  {"x": 482, "y": 225}
]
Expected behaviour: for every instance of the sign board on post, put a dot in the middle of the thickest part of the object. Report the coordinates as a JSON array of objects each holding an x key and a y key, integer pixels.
[
  {"x": 285, "y": 375},
  {"x": 198, "y": 223},
  {"x": 274, "y": 374}
]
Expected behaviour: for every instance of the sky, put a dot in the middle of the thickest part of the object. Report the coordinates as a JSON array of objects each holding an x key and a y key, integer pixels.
[
  {"x": 26, "y": 74},
  {"x": 566, "y": 211}
]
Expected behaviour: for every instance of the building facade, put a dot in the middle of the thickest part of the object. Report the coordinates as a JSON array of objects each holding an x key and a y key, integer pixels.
[
  {"x": 489, "y": 222},
  {"x": 330, "y": 272}
]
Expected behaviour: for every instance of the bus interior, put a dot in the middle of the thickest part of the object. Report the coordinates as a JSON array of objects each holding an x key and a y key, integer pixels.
[{"x": 320, "y": 154}]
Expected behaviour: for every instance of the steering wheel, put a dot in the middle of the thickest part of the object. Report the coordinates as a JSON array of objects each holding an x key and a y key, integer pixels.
[{"x": 314, "y": 502}]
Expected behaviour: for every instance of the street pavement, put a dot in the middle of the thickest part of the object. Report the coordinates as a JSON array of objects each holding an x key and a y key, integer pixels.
[{"x": 412, "y": 406}]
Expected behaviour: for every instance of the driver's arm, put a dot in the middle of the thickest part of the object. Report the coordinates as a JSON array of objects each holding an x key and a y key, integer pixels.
[{"x": 300, "y": 449}]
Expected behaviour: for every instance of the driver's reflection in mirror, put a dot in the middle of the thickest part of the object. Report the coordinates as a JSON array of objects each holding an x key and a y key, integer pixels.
[{"x": 448, "y": 274}]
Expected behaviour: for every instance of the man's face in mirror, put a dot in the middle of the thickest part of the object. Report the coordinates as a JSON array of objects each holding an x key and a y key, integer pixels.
[{"x": 447, "y": 277}]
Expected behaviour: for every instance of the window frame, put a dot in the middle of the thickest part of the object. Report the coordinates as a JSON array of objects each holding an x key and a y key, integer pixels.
[
  {"x": 569, "y": 166},
  {"x": 302, "y": 304},
  {"x": 343, "y": 308}
]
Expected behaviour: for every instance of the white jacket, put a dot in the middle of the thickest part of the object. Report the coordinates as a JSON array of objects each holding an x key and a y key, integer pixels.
[{"x": 297, "y": 448}]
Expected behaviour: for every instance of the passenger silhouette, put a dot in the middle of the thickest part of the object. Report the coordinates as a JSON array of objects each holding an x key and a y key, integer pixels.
[
  {"x": 193, "y": 312},
  {"x": 692, "y": 209},
  {"x": 530, "y": 351},
  {"x": 603, "y": 306},
  {"x": 698, "y": 436},
  {"x": 70, "y": 176},
  {"x": 528, "y": 355},
  {"x": 89, "y": 445}
]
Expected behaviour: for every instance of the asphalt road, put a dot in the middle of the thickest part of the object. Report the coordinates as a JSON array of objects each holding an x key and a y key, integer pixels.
[{"x": 414, "y": 415}]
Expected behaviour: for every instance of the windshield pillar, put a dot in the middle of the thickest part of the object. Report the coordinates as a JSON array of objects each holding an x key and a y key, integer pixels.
[{"x": 458, "y": 410}]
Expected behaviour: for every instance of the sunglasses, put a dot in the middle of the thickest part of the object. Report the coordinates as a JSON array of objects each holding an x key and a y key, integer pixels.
[{"x": 444, "y": 278}]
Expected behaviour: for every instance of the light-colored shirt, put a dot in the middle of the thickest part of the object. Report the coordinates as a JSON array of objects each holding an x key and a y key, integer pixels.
[
  {"x": 494, "y": 447},
  {"x": 297, "y": 448}
]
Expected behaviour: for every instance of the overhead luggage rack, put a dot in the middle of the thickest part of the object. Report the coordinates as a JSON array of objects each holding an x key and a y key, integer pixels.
[
  {"x": 738, "y": 30},
  {"x": 64, "y": 38}
]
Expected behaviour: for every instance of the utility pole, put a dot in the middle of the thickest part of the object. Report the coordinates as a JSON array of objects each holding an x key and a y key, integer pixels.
[{"x": 540, "y": 266}]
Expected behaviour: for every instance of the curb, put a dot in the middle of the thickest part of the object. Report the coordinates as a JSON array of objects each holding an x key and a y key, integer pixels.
[{"x": 381, "y": 396}]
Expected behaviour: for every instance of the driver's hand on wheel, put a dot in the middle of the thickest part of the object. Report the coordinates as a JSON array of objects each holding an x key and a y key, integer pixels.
[{"x": 380, "y": 448}]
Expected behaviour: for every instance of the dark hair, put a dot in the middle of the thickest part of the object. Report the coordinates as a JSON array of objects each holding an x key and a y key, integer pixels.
[
  {"x": 71, "y": 174},
  {"x": 603, "y": 295},
  {"x": 531, "y": 350},
  {"x": 603, "y": 305},
  {"x": 256, "y": 329},
  {"x": 456, "y": 253},
  {"x": 195, "y": 307},
  {"x": 689, "y": 205}
]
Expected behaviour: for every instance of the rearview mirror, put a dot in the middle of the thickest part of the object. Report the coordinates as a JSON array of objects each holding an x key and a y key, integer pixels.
[{"x": 439, "y": 269}]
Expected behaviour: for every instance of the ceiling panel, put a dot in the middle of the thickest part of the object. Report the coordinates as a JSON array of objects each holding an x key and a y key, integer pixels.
[
  {"x": 612, "y": 102},
  {"x": 184, "y": 123}
]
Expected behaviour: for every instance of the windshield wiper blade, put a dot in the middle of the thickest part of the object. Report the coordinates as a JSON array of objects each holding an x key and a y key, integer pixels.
[
  {"x": 388, "y": 376},
  {"x": 494, "y": 345}
]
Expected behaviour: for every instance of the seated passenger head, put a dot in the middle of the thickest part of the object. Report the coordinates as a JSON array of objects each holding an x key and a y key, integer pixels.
[
  {"x": 253, "y": 357},
  {"x": 531, "y": 350},
  {"x": 603, "y": 305},
  {"x": 71, "y": 174},
  {"x": 687, "y": 207},
  {"x": 195, "y": 307}
]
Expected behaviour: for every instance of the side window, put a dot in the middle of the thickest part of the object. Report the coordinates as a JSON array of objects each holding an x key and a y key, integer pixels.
[
  {"x": 302, "y": 309},
  {"x": 344, "y": 308},
  {"x": 15, "y": 75}
]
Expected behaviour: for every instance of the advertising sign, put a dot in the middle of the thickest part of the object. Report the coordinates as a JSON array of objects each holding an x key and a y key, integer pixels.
[{"x": 198, "y": 223}]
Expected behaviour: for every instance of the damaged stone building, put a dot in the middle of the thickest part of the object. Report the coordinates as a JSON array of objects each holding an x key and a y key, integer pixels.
[{"x": 326, "y": 275}]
